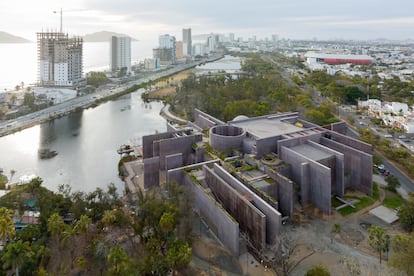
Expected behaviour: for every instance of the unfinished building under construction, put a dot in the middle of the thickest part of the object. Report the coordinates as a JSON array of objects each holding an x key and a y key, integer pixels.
[{"x": 60, "y": 59}]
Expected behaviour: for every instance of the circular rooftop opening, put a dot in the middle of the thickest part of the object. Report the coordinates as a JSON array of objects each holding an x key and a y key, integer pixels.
[{"x": 227, "y": 130}]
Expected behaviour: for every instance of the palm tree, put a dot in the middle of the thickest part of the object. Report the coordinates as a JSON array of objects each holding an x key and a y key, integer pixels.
[
  {"x": 16, "y": 254},
  {"x": 7, "y": 230},
  {"x": 12, "y": 173},
  {"x": 118, "y": 261},
  {"x": 55, "y": 226}
]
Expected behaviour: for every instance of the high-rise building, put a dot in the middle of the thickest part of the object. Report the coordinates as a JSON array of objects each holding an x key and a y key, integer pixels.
[
  {"x": 60, "y": 59},
  {"x": 166, "y": 52},
  {"x": 231, "y": 37},
  {"x": 187, "y": 43},
  {"x": 275, "y": 38},
  {"x": 179, "y": 50},
  {"x": 120, "y": 52}
]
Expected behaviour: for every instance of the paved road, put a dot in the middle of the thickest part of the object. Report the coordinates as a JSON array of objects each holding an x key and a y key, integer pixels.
[{"x": 66, "y": 107}]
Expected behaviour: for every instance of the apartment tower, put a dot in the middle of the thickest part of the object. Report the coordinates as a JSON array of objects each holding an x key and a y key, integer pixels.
[
  {"x": 120, "y": 53},
  {"x": 187, "y": 44},
  {"x": 59, "y": 59}
]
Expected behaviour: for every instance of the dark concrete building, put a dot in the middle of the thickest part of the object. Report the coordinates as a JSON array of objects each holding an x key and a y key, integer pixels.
[{"x": 248, "y": 174}]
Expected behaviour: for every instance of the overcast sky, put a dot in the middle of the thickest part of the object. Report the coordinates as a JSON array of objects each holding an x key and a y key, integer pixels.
[{"x": 146, "y": 19}]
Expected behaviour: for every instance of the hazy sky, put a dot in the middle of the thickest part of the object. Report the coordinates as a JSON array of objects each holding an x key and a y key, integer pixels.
[{"x": 146, "y": 19}]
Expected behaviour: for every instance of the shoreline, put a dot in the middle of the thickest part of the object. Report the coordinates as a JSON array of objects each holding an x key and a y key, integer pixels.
[{"x": 83, "y": 102}]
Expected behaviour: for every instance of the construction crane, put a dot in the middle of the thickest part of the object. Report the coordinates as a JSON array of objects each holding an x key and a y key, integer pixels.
[{"x": 60, "y": 19}]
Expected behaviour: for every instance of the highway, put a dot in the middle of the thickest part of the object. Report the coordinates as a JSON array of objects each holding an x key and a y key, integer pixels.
[{"x": 84, "y": 101}]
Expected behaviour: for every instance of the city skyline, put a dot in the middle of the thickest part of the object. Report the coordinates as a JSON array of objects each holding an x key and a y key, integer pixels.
[{"x": 145, "y": 20}]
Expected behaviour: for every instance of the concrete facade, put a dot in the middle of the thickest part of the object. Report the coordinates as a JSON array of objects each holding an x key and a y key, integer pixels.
[
  {"x": 273, "y": 217},
  {"x": 251, "y": 220},
  {"x": 281, "y": 161}
]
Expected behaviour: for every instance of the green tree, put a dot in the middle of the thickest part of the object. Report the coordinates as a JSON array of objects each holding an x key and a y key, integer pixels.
[
  {"x": 318, "y": 270},
  {"x": 378, "y": 240},
  {"x": 392, "y": 182},
  {"x": 56, "y": 227},
  {"x": 406, "y": 213},
  {"x": 118, "y": 261},
  {"x": 7, "y": 231},
  {"x": 29, "y": 100},
  {"x": 402, "y": 256},
  {"x": 16, "y": 254}
]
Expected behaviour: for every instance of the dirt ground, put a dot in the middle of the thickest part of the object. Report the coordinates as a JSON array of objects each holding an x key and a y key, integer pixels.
[
  {"x": 315, "y": 244},
  {"x": 168, "y": 87}
]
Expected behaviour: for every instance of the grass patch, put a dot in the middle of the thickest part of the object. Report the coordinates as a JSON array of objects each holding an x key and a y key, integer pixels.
[
  {"x": 361, "y": 204},
  {"x": 375, "y": 191},
  {"x": 392, "y": 200}
]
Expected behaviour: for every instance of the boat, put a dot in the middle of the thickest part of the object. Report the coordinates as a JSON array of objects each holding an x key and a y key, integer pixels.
[
  {"x": 125, "y": 149},
  {"x": 46, "y": 153}
]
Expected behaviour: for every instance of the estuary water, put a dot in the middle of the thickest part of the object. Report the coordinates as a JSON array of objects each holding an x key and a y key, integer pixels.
[{"x": 86, "y": 141}]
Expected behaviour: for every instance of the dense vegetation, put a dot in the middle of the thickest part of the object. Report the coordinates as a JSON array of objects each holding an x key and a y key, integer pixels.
[
  {"x": 259, "y": 91},
  {"x": 96, "y": 78},
  {"x": 96, "y": 233}
]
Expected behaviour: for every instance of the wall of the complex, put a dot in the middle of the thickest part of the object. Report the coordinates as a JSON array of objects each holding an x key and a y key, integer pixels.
[
  {"x": 351, "y": 142},
  {"x": 226, "y": 137},
  {"x": 285, "y": 191},
  {"x": 340, "y": 127},
  {"x": 251, "y": 220},
  {"x": 313, "y": 178},
  {"x": 295, "y": 141},
  {"x": 148, "y": 140},
  {"x": 357, "y": 166},
  {"x": 173, "y": 161},
  {"x": 225, "y": 227},
  {"x": 273, "y": 217},
  {"x": 151, "y": 172},
  {"x": 204, "y": 120},
  {"x": 183, "y": 145},
  {"x": 266, "y": 145},
  {"x": 338, "y": 168}
]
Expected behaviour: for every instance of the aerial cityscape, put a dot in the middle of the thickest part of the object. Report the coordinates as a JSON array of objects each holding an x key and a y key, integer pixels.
[{"x": 223, "y": 138}]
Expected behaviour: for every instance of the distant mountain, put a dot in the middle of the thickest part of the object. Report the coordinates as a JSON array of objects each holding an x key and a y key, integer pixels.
[
  {"x": 102, "y": 36},
  {"x": 9, "y": 38}
]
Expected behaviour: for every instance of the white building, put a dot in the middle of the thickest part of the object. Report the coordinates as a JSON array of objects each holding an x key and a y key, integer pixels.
[
  {"x": 60, "y": 59},
  {"x": 166, "y": 51},
  {"x": 120, "y": 53}
]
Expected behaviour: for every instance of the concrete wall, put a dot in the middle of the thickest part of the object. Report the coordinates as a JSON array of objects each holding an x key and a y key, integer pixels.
[
  {"x": 340, "y": 127},
  {"x": 251, "y": 220},
  {"x": 182, "y": 144},
  {"x": 290, "y": 142},
  {"x": 353, "y": 143},
  {"x": 285, "y": 191},
  {"x": 148, "y": 140},
  {"x": 357, "y": 166},
  {"x": 177, "y": 174},
  {"x": 338, "y": 174},
  {"x": 266, "y": 145},
  {"x": 224, "y": 226},
  {"x": 204, "y": 121},
  {"x": 173, "y": 161},
  {"x": 226, "y": 137},
  {"x": 273, "y": 217},
  {"x": 313, "y": 178},
  {"x": 151, "y": 172}
]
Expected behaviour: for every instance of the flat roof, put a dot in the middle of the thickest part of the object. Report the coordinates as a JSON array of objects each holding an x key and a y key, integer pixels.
[
  {"x": 311, "y": 152},
  {"x": 337, "y": 56},
  {"x": 264, "y": 127},
  {"x": 386, "y": 214}
]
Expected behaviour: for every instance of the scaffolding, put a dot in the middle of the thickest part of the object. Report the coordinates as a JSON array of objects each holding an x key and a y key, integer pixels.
[{"x": 59, "y": 59}]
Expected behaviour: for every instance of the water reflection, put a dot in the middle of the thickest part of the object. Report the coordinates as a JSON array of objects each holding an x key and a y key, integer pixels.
[{"x": 85, "y": 143}]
